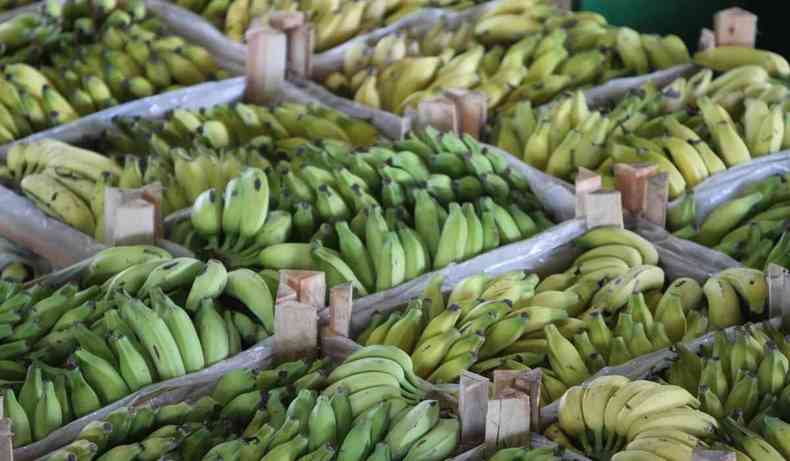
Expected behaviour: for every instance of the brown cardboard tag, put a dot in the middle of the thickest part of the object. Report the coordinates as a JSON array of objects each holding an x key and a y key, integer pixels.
[
  {"x": 6, "y": 435},
  {"x": 631, "y": 181},
  {"x": 472, "y": 110},
  {"x": 133, "y": 216},
  {"x": 587, "y": 181},
  {"x": 309, "y": 286},
  {"x": 472, "y": 408},
  {"x": 657, "y": 199},
  {"x": 299, "y": 35},
  {"x": 340, "y": 304},
  {"x": 707, "y": 39},
  {"x": 603, "y": 209},
  {"x": 522, "y": 382},
  {"x": 300, "y": 294},
  {"x": 267, "y": 52},
  {"x": 778, "y": 279},
  {"x": 440, "y": 113},
  {"x": 295, "y": 330},
  {"x": 735, "y": 27},
  {"x": 507, "y": 424}
]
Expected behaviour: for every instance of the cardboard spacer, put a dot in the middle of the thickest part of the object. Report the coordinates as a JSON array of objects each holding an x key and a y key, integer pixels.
[
  {"x": 707, "y": 39},
  {"x": 587, "y": 181},
  {"x": 439, "y": 112},
  {"x": 300, "y": 295},
  {"x": 471, "y": 109},
  {"x": 267, "y": 51},
  {"x": 735, "y": 27},
  {"x": 133, "y": 216},
  {"x": 472, "y": 408},
  {"x": 778, "y": 279}
]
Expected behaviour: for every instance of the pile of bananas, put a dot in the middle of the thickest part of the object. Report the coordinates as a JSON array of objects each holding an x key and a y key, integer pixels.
[
  {"x": 516, "y": 50},
  {"x": 750, "y": 228},
  {"x": 112, "y": 342},
  {"x": 652, "y": 321},
  {"x": 377, "y": 218},
  {"x": 745, "y": 371},
  {"x": 480, "y": 320},
  {"x": 527, "y": 454},
  {"x": 335, "y": 22},
  {"x": 294, "y": 411},
  {"x": 74, "y": 59},
  {"x": 741, "y": 378},
  {"x": 687, "y": 130},
  {"x": 609, "y": 307},
  {"x": 193, "y": 428},
  {"x": 190, "y": 151},
  {"x": 768, "y": 442},
  {"x": 615, "y": 418}
]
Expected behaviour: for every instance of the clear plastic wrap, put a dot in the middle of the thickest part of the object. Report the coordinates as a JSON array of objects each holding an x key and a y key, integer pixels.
[
  {"x": 716, "y": 190},
  {"x": 537, "y": 441},
  {"x": 11, "y": 253}
]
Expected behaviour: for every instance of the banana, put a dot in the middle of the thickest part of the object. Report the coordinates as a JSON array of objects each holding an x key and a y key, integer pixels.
[
  {"x": 132, "y": 365},
  {"x": 608, "y": 236},
  {"x": 173, "y": 274},
  {"x": 246, "y": 286},
  {"x": 182, "y": 329},
  {"x": 564, "y": 357},
  {"x": 102, "y": 376},
  {"x": 615, "y": 294},
  {"x": 155, "y": 337},
  {"x": 58, "y": 201},
  {"x": 730, "y": 57},
  {"x": 112, "y": 261},
  {"x": 440, "y": 442},
  {"x": 23, "y": 432},
  {"x": 209, "y": 284},
  {"x": 212, "y": 332},
  {"x": 750, "y": 285}
]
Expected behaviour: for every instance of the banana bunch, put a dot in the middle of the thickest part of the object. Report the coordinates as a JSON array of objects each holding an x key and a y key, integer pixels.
[
  {"x": 189, "y": 428},
  {"x": 282, "y": 128},
  {"x": 750, "y": 228},
  {"x": 527, "y": 454},
  {"x": 610, "y": 306},
  {"x": 294, "y": 411},
  {"x": 690, "y": 130},
  {"x": 744, "y": 372},
  {"x": 376, "y": 219},
  {"x": 726, "y": 58},
  {"x": 516, "y": 50},
  {"x": 76, "y": 58},
  {"x": 478, "y": 327},
  {"x": 652, "y": 320},
  {"x": 511, "y": 321},
  {"x": 111, "y": 340},
  {"x": 369, "y": 408},
  {"x": 767, "y": 442},
  {"x": 615, "y": 418},
  {"x": 62, "y": 180},
  {"x": 335, "y": 22}
]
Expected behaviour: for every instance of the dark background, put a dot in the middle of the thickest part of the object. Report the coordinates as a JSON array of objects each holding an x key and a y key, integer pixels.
[{"x": 686, "y": 17}]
